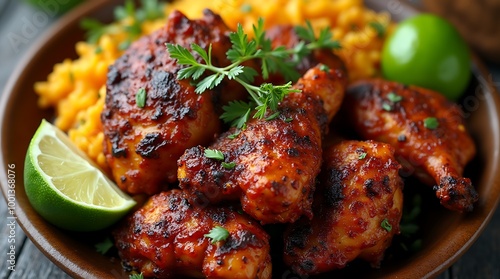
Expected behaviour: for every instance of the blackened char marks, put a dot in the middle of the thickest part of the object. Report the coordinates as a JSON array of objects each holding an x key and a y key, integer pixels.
[{"x": 143, "y": 154}]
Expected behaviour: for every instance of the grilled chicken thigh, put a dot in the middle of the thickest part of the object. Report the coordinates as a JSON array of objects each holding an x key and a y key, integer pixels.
[
  {"x": 276, "y": 161},
  {"x": 166, "y": 238},
  {"x": 357, "y": 209},
  {"x": 150, "y": 117},
  {"x": 426, "y": 130}
]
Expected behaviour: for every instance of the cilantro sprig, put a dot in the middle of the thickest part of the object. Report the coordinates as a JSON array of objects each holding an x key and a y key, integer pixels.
[{"x": 265, "y": 97}]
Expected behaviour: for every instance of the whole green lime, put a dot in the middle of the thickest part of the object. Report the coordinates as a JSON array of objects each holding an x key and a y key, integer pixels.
[{"x": 427, "y": 51}]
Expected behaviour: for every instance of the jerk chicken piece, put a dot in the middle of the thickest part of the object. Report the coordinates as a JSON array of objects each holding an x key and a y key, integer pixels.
[
  {"x": 144, "y": 141},
  {"x": 357, "y": 209},
  {"x": 166, "y": 238},
  {"x": 402, "y": 116},
  {"x": 276, "y": 161}
]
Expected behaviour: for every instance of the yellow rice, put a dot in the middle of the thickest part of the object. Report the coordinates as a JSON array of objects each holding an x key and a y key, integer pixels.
[{"x": 76, "y": 89}]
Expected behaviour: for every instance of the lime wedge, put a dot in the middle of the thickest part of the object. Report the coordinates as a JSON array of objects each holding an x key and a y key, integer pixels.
[{"x": 66, "y": 188}]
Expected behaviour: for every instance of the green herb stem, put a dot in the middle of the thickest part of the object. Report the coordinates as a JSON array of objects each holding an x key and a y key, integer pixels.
[{"x": 279, "y": 59}]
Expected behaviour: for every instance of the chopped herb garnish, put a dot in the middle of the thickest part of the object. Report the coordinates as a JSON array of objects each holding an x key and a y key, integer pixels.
[
  {"x": 229, "y": 165},
  {"x": 324, "y": 40},
  {"x": 386, "y": 225},
  {"x": 124, "y": 45},
  {"x": 104, "y": 246},
  {"x": 431, "y": 123},
  {"x": 324, "y": 68},
  {"x": 234, "y": 135},
  {"x": 408, "y": 239},
  {"x": 393, "y": 97},
  {"x": 136, "y": 276},
  {"x": 280, "y": 59},
  {"x": 273, "y": 116},
  {"x": 387, "y": 107},
  {"x": 150, "y": 10},
  {"x": 379, "y": 28},
  {"x": 288, "y": 119},
  {"x": 237, "y": 113},
  {"x": 246, "y": 8},
  {"x": 408, "y": 229},
  {"x": 408, "y": 224},
  {"x": 362, "y": 156},
  {"x": 98, "y": 50},
  {"x": 217, "y": 234},
  {"x": 214, "y": 154},
  {"x": 95, "y": 29},
  {"x": 140, "y": 98},
  {"x": 127, "y": 10}
]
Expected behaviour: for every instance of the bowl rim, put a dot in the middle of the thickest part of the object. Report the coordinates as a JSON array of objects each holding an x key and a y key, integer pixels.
[{"x": 71, "y": 265}]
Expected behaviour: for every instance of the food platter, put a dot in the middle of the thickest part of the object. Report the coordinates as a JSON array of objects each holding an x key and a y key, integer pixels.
[{"x": 445, "y": 235}]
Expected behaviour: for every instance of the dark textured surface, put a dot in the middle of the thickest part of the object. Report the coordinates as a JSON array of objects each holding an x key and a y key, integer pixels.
[{"x": 20, "y": 25}]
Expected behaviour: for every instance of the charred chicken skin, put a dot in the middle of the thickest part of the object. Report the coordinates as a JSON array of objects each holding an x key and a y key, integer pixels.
[
  {"x": 357, "y": 209},
  {"x": 276, "y": 161},
  {"x": 166, "y": 239},
  {"x": 144, "y": 141},
  {"x": 403, "y": 116}
]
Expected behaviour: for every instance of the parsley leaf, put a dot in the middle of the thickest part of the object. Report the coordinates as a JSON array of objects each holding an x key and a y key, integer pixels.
[
  {"x": 150, "y": 10},
  {"x": 234, "y": 135},
  {"x": 386, "y": 225},
  {"x": 324, "y": 40},
  {"x": 306, "y": 33},
  {"x": 379, "y": 28},
  {"x": 229, "y": 166},
  {"x": 214, "y": 154},
  {"x": 104, "y": 246},
  {"x": 409, "y": 225},
  {"x": 246, "y": 8},
  {"x": 393, "y": 97},
  {"x": 237, "y": 113},
  {"x": 140, "y": 98},
  {"x": 387, "y": 106},
  {"x": 362, "y": 156},
  {"x": 217, "y": 234},
  {"x": 431, "y": 123},
  {"x": 95, "y": 29},
  {"x": 324, "y": 68},
  {"x": 136, "y": 276}
]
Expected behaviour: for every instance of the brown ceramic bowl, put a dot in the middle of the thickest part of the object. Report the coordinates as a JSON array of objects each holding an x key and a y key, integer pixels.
[{"x": 445, "y": 235}]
